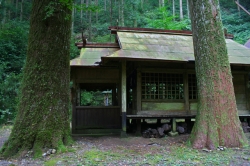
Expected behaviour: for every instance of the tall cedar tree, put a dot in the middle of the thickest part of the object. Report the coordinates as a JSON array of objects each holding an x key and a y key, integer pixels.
[
  {"x": 217, "y": 121},
  {"x": 43, "y": 110}
]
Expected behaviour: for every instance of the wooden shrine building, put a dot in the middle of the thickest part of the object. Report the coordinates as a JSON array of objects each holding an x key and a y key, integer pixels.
[{"x": 146, "y": 73}]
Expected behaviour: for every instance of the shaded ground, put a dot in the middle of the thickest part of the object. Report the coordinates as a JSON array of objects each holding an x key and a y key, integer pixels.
[{"x": 114, "y": 151}]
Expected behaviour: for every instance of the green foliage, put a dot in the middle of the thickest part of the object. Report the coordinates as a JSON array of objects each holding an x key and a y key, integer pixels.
[
  {"x": 74, "y": 51},
  {"x": 103, "y": 39},
  {"x": 162, "y": 19},
  {"x": 51, "y": 162},
  {"x": 189, "y": 156},
  {"x": 94, "y": 156},
  {"x": 13, "y": 45},
  {"x": 154, "y": 159},
  {"x": 93, "y": 98},
  {"x": 237, "y": 25},
  {"x": 90, "y": 7}
]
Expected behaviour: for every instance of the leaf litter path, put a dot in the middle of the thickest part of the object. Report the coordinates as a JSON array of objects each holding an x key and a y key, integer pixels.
[{"x": 115, "y": 151}]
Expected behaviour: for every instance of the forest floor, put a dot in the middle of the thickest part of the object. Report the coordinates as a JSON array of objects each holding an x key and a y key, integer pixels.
[{"x": 115, "y": 151}]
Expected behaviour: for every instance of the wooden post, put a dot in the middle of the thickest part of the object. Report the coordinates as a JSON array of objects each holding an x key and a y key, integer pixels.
[
  {"x": 74, "y": 103},
  {"x": 138, "y": 104},
  {"x": 186, "y": 95},
  {"x": 138, "y": 127},
  {"x": 173, "y": 132},
  {"x": 124, "y": 98},
  {"x": 114, "y": 96},
  {"x": 138, "y": 89},
  {"x": 174, "y": 125},
  {"x": 247, "y": 90},
  {"x": 189, "y": 125}
]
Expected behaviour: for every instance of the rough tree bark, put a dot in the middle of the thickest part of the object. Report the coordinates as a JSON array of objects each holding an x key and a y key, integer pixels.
[
  {"x": 217, "y": 121},
  {"x": 43, "y": 111}
]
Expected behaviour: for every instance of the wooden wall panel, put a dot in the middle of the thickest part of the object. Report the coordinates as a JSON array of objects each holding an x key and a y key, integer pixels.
[
  {"x": 240, "y": 91},
  {"x": 240, "y": 98},
  {"x": 154, "y": 106},
  {"x": 239, "y": 79},
  {"x": 243, "y": 112},
  {"x": 166, "y": 112},
  {"x": 98, "y": 118},
  {"x": 193, "y": 106},
  {"x": 241, "y": 106},
  {"x": 96, "y": 74}
]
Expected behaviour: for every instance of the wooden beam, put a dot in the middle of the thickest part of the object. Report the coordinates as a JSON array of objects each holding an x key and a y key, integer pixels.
[{"x": 242, "y": 8}]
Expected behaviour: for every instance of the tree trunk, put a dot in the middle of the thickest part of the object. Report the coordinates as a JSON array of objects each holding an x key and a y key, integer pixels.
[
  {"x": 16, "y": 12},
  {"x": 4, "y": 13},
  {"x": 217, "y": 121},
  {"x": 122, "y": 13},
  {"x": 81, "y": 12},
  {"x": 181, "y": 11},
  {"x": 9, "y": 11},
  {"x": 119, "y": 12},
  {"x": 135, "y": 23},
  {"x": 161, "y": 3},
  {"x": 72, "y": 20},
  {"x": 96, "y": 14},
  {"x": 238, "y": 1},
  {"x": 188, "y": 9},
  {"x": 110, "y": 13},
  {"x": 105, "y": 5},
  {"x": 174, "y": 9},
  {"x": 90, "y": 25},
  {"x": 134, "y": 16},
  {"x": 87, "y": 4},
  {"x": 43, "y": 111},
  {"x": 21, "y": 11}
]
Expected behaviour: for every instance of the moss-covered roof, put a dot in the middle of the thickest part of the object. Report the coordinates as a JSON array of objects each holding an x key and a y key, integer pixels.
[
  {"x": 91, "y": 56},
  {"x": 155, "y": 46},
  {"x": 169, "y": 47}
]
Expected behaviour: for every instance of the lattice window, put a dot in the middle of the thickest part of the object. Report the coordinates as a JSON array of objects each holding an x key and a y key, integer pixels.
[
  {"x": 162, "y": 86},
  {"x": 192, "y": 86}
]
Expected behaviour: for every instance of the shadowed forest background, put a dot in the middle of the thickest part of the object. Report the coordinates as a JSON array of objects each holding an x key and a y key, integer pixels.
[{"x": 93, "y": 17}]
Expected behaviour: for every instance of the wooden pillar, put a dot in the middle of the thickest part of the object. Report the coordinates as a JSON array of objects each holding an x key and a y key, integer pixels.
[
  {"x": 138, "y": 102},
  {"x": 114, "y": 96},
  {"x": 138, "y": 127},
  {"x": 74, "y": 93},
  {"x": 186, "y": 95},
  {"x": 247, "y": 91},
  {"x": 124, "y": 97},
  {"x": 174, "y": 131},
  {"x": 174, "y": 125},
  {"x": 189, "y": 125},
  {"x": 138, "y": 89}
]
